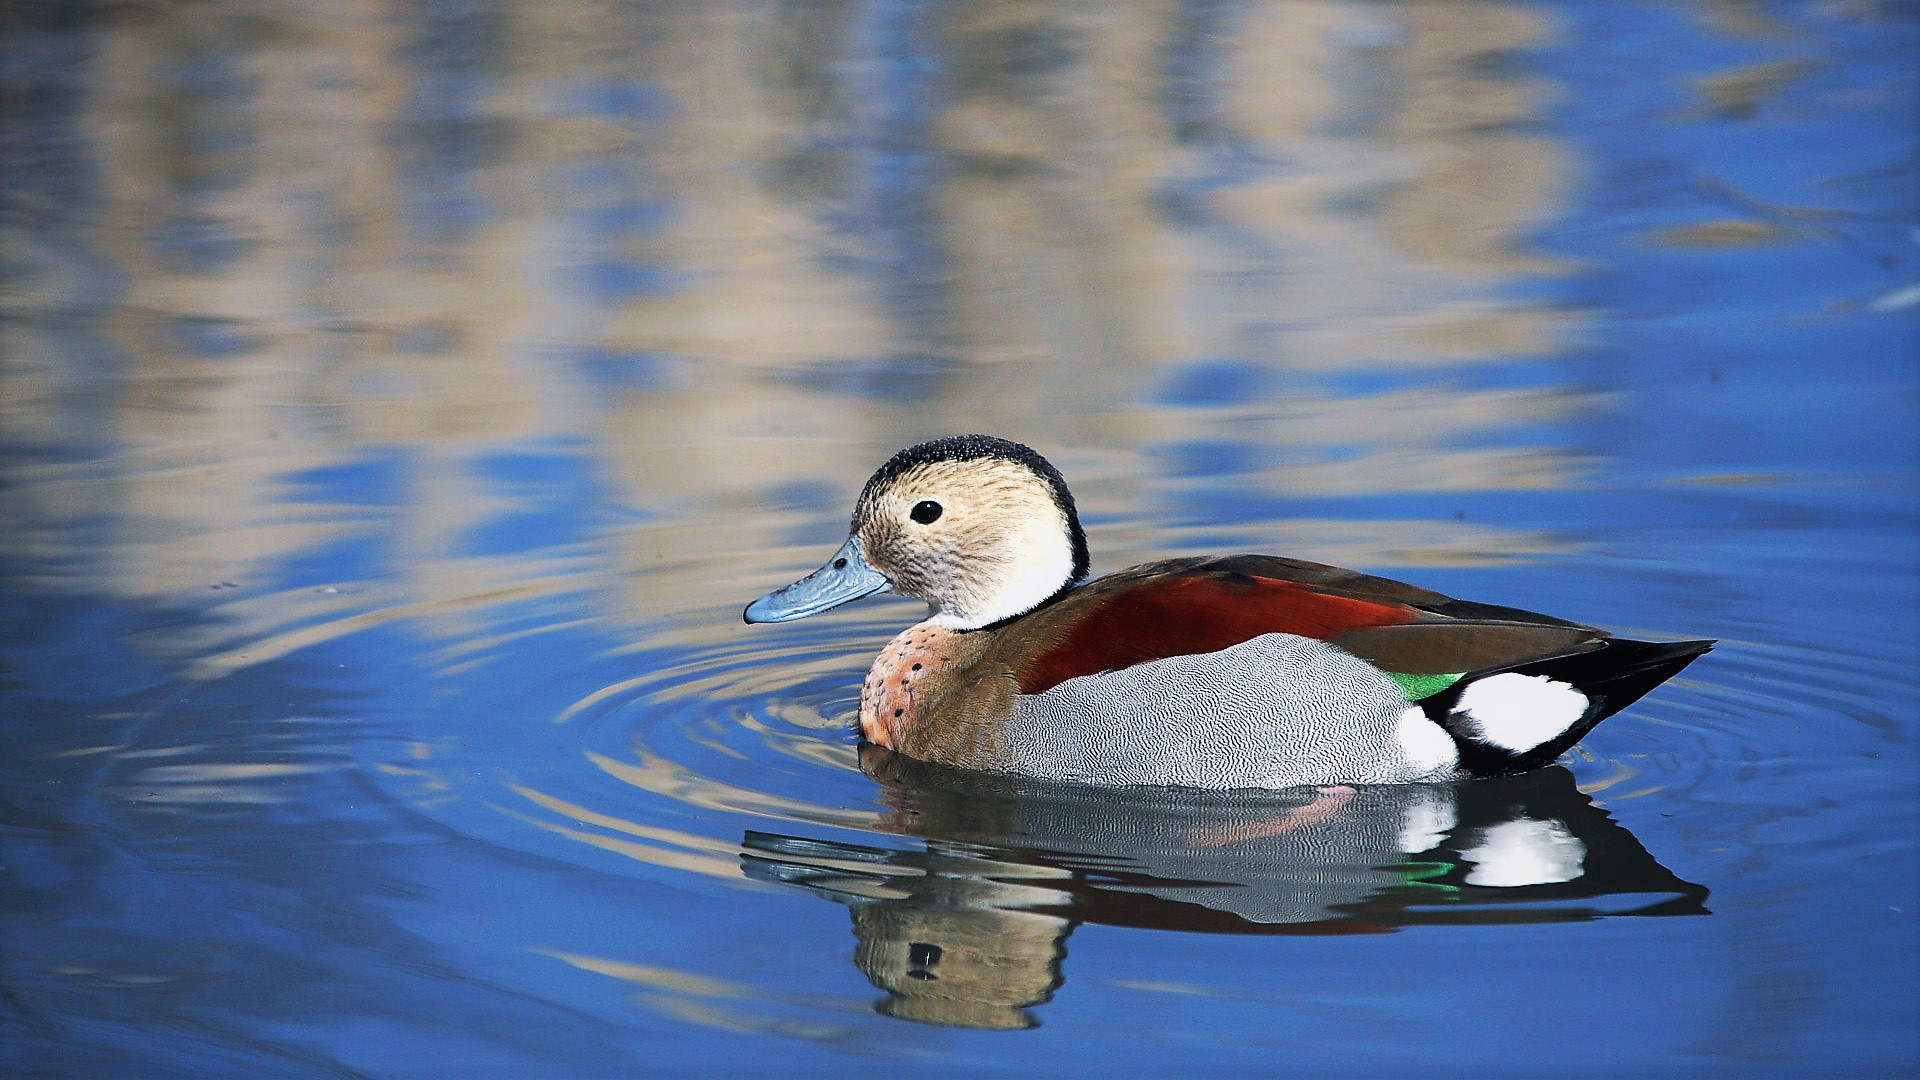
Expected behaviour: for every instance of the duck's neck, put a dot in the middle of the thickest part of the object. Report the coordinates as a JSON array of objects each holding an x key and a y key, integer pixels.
[{"x": 910, "y": 677}]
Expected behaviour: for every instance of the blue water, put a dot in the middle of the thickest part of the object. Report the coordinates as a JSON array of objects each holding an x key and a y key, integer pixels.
[{"x": 397, "y": 406}]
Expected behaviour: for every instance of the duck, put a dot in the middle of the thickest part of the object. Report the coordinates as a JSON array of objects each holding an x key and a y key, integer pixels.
[{"x": 1214, "y": 672}]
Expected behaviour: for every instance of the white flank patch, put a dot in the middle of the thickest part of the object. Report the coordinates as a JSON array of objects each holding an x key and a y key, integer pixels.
[
  {"x": 1525, "y": 852},
  {"x": 1427, "y": 823},
  {"x": 1421, "y": 740},
  {"x": 1519, "y": 712}
]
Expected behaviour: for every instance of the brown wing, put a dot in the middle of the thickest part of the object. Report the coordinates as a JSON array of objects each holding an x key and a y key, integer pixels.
[
  {"x": 1451, "y": 647},
  {"x": 1352, "y": 583},
  {"x": 1190, "y": 606}
]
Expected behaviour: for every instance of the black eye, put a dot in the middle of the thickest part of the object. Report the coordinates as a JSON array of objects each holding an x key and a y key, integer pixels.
[{"x": 926, "y": 512}]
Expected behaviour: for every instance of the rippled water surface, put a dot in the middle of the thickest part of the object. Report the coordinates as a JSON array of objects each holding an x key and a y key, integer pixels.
[{"x": 398, "y": 402}]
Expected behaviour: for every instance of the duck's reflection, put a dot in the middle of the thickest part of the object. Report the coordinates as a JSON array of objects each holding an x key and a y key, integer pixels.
[{"x": 971, "y": 929}]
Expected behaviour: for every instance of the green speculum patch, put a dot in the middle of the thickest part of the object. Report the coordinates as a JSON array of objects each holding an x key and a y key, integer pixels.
[{"x": 1424, "y": 686}]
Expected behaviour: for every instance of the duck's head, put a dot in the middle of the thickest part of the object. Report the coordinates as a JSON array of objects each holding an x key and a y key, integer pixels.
[{"x": 980, "y": 528}]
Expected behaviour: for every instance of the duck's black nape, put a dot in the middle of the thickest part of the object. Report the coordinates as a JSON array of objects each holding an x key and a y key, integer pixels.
[
  {"x": 979, "y": 448},
  {"x": 1611, "y": 678}
]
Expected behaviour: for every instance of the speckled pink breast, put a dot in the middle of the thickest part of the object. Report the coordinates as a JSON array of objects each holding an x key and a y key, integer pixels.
[{"x": 889, "y": 697}]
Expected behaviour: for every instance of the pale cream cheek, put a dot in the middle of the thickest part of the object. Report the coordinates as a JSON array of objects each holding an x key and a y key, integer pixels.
[
  {"x": 933, "y": 568},
  {"x": 1042, "y": 562},
  {"x": 889, "y": 698},
  {"x": 1001, "y": 548},
  {"x": 1030, "y": 563},
  {"x": 914, "y": 567},
  {"x": 934, "y": 573}
]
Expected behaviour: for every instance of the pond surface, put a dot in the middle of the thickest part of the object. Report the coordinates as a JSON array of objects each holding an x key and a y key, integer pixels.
[{"x": 399, "y": 401}]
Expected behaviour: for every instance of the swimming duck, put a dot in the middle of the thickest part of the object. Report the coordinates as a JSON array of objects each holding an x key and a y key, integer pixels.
[{"x": 1236, "y": 671}]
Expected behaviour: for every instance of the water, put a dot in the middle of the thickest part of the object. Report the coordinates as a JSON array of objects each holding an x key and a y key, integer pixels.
[{"x": 400, "y": 401}]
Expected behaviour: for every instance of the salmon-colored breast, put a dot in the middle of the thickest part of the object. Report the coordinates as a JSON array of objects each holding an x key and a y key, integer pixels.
[
  {"x": 890, "y": 695},
  {"x": 1187, "y": 614}
]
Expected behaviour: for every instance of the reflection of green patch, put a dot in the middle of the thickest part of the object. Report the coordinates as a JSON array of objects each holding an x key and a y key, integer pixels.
[
  {"x": 1424, "y": 686},
  {"x": 1413, "y": 876}
]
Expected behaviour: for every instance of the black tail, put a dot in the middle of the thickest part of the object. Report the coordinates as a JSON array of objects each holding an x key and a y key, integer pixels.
[{"x": 1612, "y": 678}]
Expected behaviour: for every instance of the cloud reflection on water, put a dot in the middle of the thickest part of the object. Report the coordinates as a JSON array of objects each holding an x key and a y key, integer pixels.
[{"x": 704, "y": 261}]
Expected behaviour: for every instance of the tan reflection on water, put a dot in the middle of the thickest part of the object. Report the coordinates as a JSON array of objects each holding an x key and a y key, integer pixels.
[
  {"x": 1394, "y": 174},
  {"x": 650, "y": 772},
  {"x": 672, "y": 848},
  {"x": 702, "y": 1000}
]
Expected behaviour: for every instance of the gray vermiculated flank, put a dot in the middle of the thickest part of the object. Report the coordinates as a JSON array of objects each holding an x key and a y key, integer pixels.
[{"x": 1276, "y": 711}]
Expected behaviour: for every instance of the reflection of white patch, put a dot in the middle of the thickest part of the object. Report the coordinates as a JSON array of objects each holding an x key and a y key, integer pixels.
[
  {"x": 1525, "y": 852},
  {"x": 1426, "y": 824},
  {"x": 1519, "y": 712},
  {"x": 1426, "y": 746}
]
